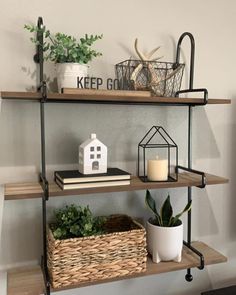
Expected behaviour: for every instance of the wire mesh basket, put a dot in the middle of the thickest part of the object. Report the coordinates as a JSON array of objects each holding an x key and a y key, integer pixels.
[{"x": 161, "y": 78}]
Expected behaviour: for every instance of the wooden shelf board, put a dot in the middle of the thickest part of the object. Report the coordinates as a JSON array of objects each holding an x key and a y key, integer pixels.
[
  {"x": 29, "y": 281},
  {"x": 18, "y": 191},
  {"x": 106, "y": 98},
  {"x": 25, "y": 281}
]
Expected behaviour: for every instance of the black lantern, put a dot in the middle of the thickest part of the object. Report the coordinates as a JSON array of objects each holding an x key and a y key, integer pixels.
[{"x": 157, "y": 156}]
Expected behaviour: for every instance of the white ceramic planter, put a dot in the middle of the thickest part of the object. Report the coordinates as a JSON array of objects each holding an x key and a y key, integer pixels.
[
  {"x": 165, "y": 243},
  {"x": 68, "y": 73}
]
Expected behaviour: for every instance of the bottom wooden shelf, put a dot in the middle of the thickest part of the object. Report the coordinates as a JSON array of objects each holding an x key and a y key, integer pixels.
[{"x": 29, "y": 281}]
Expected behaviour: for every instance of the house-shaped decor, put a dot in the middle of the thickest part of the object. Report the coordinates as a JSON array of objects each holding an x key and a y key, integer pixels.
[
  {"x": 92, "y": 156},
  {"x": 157, "y": 156}
]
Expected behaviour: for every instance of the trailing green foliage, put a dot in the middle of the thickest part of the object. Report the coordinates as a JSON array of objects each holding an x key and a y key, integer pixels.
[
  {"x": 76, "y": 221},
  {"x": 165, "y": 217},
  {"x": 61, "y": 48}
]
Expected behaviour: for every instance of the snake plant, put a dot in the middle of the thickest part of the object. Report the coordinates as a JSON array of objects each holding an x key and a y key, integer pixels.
[{"x": 165, "y": 218}]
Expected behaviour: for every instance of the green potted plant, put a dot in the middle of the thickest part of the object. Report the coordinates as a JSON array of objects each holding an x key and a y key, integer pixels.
[
  {"x": 76, "y": 221},
  {"x": 70, "y": 55},
  {"x": 164, "y": 231}
]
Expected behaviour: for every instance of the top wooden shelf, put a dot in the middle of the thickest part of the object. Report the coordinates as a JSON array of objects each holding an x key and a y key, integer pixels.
[{"x": 110, "y": 97}]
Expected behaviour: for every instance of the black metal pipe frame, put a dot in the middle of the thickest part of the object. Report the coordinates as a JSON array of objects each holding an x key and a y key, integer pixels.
[
  {"x": 189, "y": 276},
  {"x": 38, "y": 58}
]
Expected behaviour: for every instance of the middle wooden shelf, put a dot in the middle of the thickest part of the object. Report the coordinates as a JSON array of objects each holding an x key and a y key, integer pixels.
[{"x": 31, "y": 190}]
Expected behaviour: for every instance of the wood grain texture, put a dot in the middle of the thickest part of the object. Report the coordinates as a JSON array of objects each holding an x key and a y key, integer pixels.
[
  {"x": 106, "y": 98},
  {"x": 29, "y": 281},
  {"x": 25, "y": 281},
  {"x": 105, "y": 92},
  {"x": 18, "y": 191}
]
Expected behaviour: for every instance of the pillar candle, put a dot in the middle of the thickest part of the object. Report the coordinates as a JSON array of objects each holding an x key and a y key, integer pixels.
[{"x": 157, "y": 170}]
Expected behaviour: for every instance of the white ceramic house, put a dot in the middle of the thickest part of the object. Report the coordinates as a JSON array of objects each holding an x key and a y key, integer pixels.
[{"x": 92, "y": 156}]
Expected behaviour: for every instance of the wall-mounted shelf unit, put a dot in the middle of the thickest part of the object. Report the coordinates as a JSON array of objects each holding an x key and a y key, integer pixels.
[{"x": 195, "y": 254}]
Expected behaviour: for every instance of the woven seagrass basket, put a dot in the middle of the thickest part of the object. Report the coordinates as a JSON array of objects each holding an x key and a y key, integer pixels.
[{"x": 120, "y": 252}]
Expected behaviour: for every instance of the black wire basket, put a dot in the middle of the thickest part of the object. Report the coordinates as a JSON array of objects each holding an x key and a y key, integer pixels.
[{"x": 161, "y": 78}]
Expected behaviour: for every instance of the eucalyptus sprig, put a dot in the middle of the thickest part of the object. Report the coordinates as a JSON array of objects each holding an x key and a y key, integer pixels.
[
  {"x": 165, "y": 217},
  {"x": 62, "y": 48}
]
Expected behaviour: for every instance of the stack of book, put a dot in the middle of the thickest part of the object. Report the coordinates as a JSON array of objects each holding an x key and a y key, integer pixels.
[{"x": 73, "y": 179}]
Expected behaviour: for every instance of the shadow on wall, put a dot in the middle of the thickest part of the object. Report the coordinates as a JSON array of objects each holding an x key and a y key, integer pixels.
[
  {"x": 232, "y": 197},
  {"x": 21, "y": 240},
  {"x": 152, "y": 285},
  {"x": 65, "y": 147},
  {"x": 50, "y": 78},
  {"x": 204, "y": 142},
  {"x": 64, "y": 132},
  {"x": 204, "y": 218}
]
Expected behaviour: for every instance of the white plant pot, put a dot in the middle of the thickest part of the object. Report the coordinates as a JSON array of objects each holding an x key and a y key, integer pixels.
[
  {"x": 68, "y": 73},
  {"x": 165, "y": 243}
]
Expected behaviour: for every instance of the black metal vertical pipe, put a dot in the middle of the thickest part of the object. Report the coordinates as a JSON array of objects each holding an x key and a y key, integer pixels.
[
  {"x": 43, "y": 160},
  {"x": 42, "y": 88},
  {"x": 138, "y": 161},
  {"x": 191, "y": 75},
  {"x": 39, "y": 59},
  {"x": 188, "y": 276},
  {"x": 144, "y": 164},
  {"x": 190, "y": 167},
  {"x": 43, "y": 169}
]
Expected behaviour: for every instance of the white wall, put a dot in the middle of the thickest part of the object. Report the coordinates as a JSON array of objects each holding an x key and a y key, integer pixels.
[{"x": 154, "y": 22}]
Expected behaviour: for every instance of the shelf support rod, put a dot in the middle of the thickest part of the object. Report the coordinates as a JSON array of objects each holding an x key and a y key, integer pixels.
[
  {"x": 38, "y": 58},
  {"x": 189, "y": 276}
]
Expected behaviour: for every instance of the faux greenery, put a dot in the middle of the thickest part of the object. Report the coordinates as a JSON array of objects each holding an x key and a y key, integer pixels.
[
  {"x": 165, "y": 217},
  {"x": 62, "y": 48},
  {"x": 76, "y": 221}
]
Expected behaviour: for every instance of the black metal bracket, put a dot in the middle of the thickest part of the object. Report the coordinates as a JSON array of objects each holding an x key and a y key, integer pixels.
[
  {"x": 203, "y": 175},
  {"x": 191, "y": 71},
  {"x": 45, "y": 186},
  {"x": 203, "y": 90},
  {"x": 43, "y": 89},
  {"x": 202, "y": 261}
]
